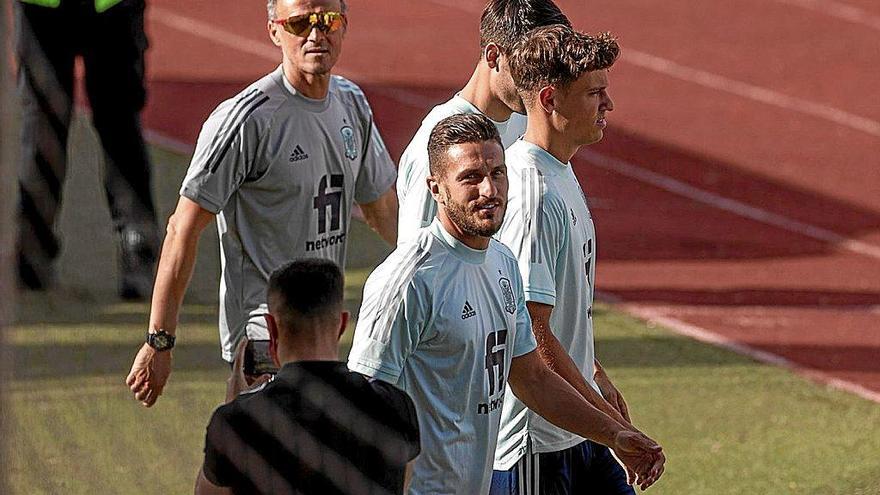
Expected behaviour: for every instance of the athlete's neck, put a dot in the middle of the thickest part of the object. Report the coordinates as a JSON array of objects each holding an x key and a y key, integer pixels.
[
  {"x": 541, "y": 133},
  {"x": 314, "y": 86},
  {"x": 469, "y": 240},
  {"x": 328, "y": 350},
  {"x": 478, "y": 92}
]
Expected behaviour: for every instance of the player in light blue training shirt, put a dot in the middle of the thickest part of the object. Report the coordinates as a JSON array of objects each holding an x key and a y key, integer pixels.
[
  {"x": 444, "y": 318},
  {"x": 563, "y": 80}
]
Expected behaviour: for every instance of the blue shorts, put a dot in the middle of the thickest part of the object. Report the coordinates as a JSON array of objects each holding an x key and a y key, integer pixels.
[{"x": 588, "y": 467}]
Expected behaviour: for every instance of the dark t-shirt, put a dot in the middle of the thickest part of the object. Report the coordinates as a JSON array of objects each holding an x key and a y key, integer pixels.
[{"x": 318, "y": 428}]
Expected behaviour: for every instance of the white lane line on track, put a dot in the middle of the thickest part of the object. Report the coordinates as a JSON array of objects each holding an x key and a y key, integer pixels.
[
  {"x": 219, "y": 36},
  {"x": 710, "y": 337},
  {"x": 752, "y": 92},
  {"x": 739, "y": 88},
  {"x": 842, "y": 11},
  {"x": 726, "y": 204},
  {"x": 230, "y": 40},
  {"x": 201, "y": 29}
]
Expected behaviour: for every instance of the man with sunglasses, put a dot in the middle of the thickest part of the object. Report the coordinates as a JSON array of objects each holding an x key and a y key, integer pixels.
[
  {"x": 489, "y": 91},
  {"x": 279, "y": 166}
]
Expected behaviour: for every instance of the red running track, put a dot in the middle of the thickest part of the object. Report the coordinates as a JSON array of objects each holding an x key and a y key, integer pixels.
[{"x": 737, "y": 191}]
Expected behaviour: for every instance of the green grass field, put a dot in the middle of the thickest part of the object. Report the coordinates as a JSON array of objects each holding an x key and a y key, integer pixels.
[{"x": 729, "y": 424}]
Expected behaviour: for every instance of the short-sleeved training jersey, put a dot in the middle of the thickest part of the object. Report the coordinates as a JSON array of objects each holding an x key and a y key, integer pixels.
[
  {"x": 417, "y": 207},
  {"x": 281, "y": 172},
  {"x": 443, "y": 322},
  {"x": 549, "y": 227},
  {"x": 316, "y": 429}
]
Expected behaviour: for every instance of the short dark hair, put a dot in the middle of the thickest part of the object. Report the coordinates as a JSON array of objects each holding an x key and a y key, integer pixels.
[
  {"x": 458, "y": 129},
  {"x": 306, "y": 288},
  {"x": 557, "y": 56},
  {"x": 272, "y": 5},
  {"x": 505, "y": 22}
]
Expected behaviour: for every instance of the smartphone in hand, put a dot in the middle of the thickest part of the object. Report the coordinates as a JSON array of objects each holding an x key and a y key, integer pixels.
[{"x": 257, "y": 360}]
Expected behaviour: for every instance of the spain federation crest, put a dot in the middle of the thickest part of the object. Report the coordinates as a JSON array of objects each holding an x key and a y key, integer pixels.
[
  {"x": 348, "y": 141},
  {"x": 507, "y": 294}
]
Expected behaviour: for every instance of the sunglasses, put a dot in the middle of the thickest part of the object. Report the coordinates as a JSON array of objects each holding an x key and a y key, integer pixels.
[{"x": 301, "y": 25}]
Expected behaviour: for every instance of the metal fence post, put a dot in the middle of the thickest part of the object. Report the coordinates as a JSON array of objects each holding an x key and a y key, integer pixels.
[{"x": 8, "y": 200}]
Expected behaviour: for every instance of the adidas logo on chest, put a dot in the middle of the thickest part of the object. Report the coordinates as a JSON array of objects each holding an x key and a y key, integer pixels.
[
  {"x": 468, "y": 311},
  {"x": 298, "y": 155}
]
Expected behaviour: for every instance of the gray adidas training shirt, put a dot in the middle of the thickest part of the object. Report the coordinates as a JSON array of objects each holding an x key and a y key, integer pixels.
[{"x": 281, "y": 172}]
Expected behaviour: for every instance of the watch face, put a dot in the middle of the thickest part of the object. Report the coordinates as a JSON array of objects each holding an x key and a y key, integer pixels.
[{"x": 160, "y": 341}]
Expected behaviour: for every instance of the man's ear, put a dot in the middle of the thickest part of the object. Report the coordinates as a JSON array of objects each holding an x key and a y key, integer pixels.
[
  {"x": 547, "y": 98},
  {"x": 274, "y": 33},
  {"x": 434, "y": 187},
  {"x": 343, "y": 324},
  {"x": 492, "y": 53},
  {"x": 272, "y": 326}
]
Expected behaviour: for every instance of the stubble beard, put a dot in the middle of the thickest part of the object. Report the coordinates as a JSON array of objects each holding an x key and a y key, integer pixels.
[{"x": 459, "y": 215}]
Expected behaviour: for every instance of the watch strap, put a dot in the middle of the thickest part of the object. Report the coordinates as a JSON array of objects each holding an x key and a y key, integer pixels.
[{"x": 161, "y": 340}]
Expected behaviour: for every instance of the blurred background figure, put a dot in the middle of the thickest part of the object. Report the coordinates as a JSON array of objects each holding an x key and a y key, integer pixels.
[{"x": 109, "y": 36}]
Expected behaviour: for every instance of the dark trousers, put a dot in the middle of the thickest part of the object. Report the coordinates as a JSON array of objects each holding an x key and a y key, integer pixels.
[
  {"x": 585, "y": 469},
  {"x": 112, "y": 45}
]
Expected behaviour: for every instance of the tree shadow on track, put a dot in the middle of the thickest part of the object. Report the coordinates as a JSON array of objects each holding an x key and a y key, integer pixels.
[{"x": 638, "y": 221}]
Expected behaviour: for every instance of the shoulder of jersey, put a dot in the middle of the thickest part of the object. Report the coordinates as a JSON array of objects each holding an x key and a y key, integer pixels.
[
  {"x": 257, "y": 101},
  {"x": 421, "y": 252},
  {"x": 419, "y": 142},
  {"x": 347, "y": 89},
  {"x": 440, "y": 112},
  {"x": 522, "y": 163},
  {"x": 516, "y": 154},
  {"x": 502, "y": 249}
]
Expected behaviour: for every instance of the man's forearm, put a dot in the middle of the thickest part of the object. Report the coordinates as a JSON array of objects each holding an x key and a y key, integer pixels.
[
  {"x": 175, "y": 269},
  {"x": 546, "y": 393},
  {"x": 381, "y": 216},
  {"x": 387, "y": 230},
  {"x": 560, "y": 362},
  {"x": 557, "y": 359}
]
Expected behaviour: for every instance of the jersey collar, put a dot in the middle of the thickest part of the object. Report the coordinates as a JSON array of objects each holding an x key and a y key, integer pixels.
[
  {"x": 465, "y": 106},
  {"x": 458, "y": 248},
  {"x": 309, "y": 103},
  {"x": 542, "y": 156}
]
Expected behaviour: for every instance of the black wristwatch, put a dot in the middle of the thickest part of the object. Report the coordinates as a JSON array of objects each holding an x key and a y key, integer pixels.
[{"x": 161, "y": 340}]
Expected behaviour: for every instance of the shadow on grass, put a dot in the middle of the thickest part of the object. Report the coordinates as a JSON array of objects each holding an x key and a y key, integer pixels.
[
  {"x": 36, "y": 362},
  {"x": 39, "y": 362},
  {"x": 67, "y": 307},
  {"x": 74, "y": 360}
]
